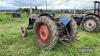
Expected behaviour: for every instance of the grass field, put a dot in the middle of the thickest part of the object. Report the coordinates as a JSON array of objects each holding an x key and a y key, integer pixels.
[{"x": 12, "y": 44}]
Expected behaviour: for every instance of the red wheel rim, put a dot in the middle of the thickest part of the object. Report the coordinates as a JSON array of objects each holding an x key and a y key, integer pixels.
[{"x": 43, "y": 33}]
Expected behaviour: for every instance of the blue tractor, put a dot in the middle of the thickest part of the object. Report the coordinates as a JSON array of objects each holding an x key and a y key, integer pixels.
[{"x": 49, "y": 30}]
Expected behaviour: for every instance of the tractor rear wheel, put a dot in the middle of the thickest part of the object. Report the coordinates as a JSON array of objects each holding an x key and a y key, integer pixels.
[
  {"x": 91, "y": 23},
  {"x": 73, "y": 29},
  {"x": 46, "y": 32}
]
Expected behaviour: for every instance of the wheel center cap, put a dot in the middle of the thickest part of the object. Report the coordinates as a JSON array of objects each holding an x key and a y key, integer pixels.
[{"x": 43, "y": 32}]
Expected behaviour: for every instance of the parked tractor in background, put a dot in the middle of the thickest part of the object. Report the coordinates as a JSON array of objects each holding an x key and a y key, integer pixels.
[
  {"x": 15, "y": 14},
  {"x": 91, "y": 21},
  {"x": 50, "y": 29}
]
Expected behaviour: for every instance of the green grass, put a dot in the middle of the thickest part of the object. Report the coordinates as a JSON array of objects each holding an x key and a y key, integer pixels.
[{"x": 12, "y": 44}]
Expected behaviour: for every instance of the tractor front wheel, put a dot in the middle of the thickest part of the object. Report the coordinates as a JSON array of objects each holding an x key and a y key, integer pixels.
[{"x": 23, "y": 31}]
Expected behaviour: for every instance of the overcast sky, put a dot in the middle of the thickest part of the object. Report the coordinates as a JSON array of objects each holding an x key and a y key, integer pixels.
[{"x": 52, "y": 4}]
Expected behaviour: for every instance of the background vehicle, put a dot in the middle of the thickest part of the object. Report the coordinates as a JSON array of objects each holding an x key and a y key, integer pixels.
[{"x": 91, "y": 21}]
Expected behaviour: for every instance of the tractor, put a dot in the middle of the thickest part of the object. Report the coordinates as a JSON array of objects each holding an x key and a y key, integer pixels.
[
  {"x": 51, "y": 29},
  {"x": 91, "y": 21}
]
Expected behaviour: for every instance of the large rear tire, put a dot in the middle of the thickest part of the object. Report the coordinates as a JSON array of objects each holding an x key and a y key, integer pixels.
[
  {"x": 72, "y": 29},
  {"x": 91, "y": 23},
  {"x": 73, "y": 26},
  {"x": 46, "y": 32}
]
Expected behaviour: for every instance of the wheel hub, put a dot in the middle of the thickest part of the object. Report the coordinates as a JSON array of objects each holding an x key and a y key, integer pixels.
[
  {"x": 43, "y": 32},
  {"x": 90, "y": 24}
]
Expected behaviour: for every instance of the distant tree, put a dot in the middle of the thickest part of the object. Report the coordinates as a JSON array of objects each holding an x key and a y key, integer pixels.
[
  {"x": 85, "y": 11},
  {"x": 27, "y": 10},
  {"x": 41, "y": 10},
  {"x": 33, "y": 9},
  {"x": 20, "y": 10},
  {"x": 36, "y": 8}
]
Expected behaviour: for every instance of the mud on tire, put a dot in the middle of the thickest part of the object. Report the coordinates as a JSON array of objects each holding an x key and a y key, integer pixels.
[
  {"x": 72, "y": 29},
  {"x": 91, "y": 23},
  {"x": 49, "y": 38}
]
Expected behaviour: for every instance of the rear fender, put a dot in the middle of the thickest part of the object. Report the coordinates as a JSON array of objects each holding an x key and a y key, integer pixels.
[
  {"x": 45, "y": 14},
  {"x": 63, "y": 21}
]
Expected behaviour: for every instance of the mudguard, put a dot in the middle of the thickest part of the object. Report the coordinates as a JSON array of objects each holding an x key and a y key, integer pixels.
[
  {"x": 46, "y": 14},
  {"x": 78, "y": 19},
  {"x": 63, "y": 20}
]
